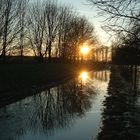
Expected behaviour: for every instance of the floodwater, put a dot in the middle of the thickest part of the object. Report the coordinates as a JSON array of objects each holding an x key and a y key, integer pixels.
[{"x": 102, "y": 105}]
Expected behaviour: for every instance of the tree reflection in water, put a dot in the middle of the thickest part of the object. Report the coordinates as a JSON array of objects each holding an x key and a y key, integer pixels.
[
  {"x": 121, "y": 116},
  {"x": 52, "y": 110},
  {"x": 57, "y": 108}
]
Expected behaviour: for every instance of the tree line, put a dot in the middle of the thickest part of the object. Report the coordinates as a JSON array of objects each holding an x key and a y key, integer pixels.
[
  {"x": 122, "y": 22},
  {"x": 43, "y": 28}
]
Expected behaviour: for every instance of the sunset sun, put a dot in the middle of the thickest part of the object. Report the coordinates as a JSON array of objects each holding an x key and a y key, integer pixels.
[{"x": 85, "y": 50}]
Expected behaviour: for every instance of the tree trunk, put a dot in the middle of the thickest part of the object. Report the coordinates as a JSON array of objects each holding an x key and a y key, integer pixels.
[{"x": 49, "y": 50}]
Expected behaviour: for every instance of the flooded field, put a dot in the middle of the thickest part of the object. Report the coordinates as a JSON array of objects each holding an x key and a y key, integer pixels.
[{"x": 102, "y": 105}]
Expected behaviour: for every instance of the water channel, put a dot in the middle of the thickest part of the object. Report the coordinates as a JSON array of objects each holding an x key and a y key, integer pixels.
[{"x": 103, "y": 104}]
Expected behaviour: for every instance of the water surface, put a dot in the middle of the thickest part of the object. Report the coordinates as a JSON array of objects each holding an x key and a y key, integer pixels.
[
  {"x": 93, "y": 105},
  {"x": 68, "y": 111}
]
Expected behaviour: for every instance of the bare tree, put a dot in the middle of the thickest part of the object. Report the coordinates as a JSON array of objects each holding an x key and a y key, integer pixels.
[
  {"x": 44, "y": 24},
  {"x": 22, "y": 8},
  {"x": 65, "y": 14},
  {"x": 1, "y": 20},
  {"x": 77, "y": 31},
  {"x": 9, "y": 23},
  {"x": 51, "y": 18},
  {"x": 121, "y": 15},
  {"x": 36, "y": 28}
]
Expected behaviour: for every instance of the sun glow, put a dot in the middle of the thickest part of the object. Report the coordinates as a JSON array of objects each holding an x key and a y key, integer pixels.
[
  {"x": 84, "y": 76},
  {"x": 85, "y": 50}
]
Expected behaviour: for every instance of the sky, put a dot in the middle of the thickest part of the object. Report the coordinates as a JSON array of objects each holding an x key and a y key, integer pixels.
[{"x": 91, "y": 13}]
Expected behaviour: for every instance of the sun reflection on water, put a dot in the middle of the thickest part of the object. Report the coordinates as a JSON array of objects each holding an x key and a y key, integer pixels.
[{"x": 84, "y": 76}]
